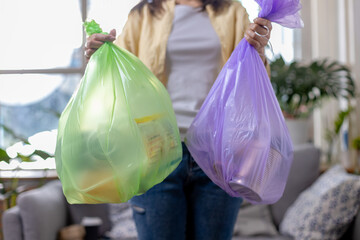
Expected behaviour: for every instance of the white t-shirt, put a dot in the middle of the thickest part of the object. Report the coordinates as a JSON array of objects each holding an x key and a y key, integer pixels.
[{"x": 193, "y": 59}]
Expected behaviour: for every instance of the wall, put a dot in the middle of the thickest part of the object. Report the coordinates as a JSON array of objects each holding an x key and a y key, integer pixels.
[
  {"x": 354, "y": 59},
  {"x": 331, "y": 32}
]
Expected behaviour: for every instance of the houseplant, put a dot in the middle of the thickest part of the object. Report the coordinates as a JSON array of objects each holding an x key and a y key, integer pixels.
[
  {"x": 301, "y": 87},
  {"x": 332, "y": 135},
  {"x": 10, "y": 191},
  {"x": 356, "y": 146}
]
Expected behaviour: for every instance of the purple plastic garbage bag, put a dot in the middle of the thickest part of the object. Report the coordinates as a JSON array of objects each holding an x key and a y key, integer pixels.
[{"x": 239, "y": 137}]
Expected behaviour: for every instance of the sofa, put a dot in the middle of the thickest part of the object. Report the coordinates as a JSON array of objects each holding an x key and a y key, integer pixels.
[{"x": 41, "y": 213}]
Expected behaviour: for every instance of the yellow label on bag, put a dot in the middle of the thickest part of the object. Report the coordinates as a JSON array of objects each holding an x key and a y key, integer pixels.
[
  {"x": 148, "y": 118},
  {"x": 158, "y": 136}
]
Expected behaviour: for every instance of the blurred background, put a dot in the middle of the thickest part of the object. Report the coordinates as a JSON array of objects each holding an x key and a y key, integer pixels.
[
  {"x": 41, "y": 63},
  {"x": 315, "y": 73}
]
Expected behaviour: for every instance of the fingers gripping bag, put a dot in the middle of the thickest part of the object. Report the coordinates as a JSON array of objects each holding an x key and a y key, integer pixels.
[
  {"x": 118, "y": 135},
  {"x": 239, "y": 137}
]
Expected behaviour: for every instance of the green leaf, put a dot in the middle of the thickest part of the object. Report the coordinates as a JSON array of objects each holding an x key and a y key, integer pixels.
[
  {"x": 340, "y": 120},
  {"x": 25, "y": 158},
  {"x": 356, "y": 143},
  {"x": 4, "y": 156},
  {"x": 12, "y": 133},
  {"x": 42, "y": 154}
]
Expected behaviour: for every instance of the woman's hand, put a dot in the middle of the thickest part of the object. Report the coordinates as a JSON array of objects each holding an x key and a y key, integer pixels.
[
  {"x": 96, "y": 40},
  {"x": 263, "y": 27}
]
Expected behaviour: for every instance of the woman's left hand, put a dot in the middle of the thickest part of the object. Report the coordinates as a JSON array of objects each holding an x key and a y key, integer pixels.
[{"x": 259, "y": 42}]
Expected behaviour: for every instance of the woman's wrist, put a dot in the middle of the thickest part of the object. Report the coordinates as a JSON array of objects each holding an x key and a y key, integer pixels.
[
  {"x": 262, "y": 55},
  {"x": 264, "y": 59}
]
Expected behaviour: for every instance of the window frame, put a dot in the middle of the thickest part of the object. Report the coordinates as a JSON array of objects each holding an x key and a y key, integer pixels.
[{"x": 65, "y": 70}]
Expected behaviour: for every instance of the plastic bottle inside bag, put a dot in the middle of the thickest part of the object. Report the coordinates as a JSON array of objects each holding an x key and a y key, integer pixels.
[{"x": 159, "y": 139}]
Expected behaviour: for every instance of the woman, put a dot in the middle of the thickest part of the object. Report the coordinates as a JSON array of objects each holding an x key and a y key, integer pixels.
[{"x": 185, "y": 43}]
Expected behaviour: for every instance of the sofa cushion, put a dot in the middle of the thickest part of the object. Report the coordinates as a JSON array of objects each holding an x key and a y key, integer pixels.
[
  {"x": 325, "y": 210},
  {"x": 37, "y": 207},
  {"x": 263, "y": 238},
  {"x": 80, "y": 211},
  {"x": 304, "y": 171},
  {"x": 356, "y": 232},
  {"x": 122, "y": 221},
  {"x": 254, "y": 220}
]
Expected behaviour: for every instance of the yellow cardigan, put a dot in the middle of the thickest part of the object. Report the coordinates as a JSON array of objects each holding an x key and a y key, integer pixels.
[{"x": 146, "y": 36}]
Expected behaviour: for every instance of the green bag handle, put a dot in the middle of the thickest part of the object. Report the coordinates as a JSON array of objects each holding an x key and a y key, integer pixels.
[{"x": 93, "y": 27}]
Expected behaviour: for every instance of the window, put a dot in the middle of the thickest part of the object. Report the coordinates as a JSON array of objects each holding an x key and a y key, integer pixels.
[
  {"x": 282, "y": 39},
  {"x": 42, "y": 62}
]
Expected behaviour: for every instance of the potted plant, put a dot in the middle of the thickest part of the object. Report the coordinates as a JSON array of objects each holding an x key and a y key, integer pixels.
[
  {"x": 301, "y": 87},
  {"x": 332, "y": 135},
  {"x": 12, "y": 186},
  {"x": 356, "y": 146}
]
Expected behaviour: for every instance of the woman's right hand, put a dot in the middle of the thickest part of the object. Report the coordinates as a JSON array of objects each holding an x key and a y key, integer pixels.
[{"x": 96, "y": 40}]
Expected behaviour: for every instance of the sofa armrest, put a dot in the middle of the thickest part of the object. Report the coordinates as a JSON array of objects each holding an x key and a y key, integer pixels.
[
  {"x": 356, "y": 233},
  {"x": 43, "y": 211},
  {"x": 304, "y": 171},
  {"x": 11, "y": 223}
]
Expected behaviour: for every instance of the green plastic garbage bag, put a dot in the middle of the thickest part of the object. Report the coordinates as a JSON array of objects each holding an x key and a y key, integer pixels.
[{"x": 117, "y": 136}]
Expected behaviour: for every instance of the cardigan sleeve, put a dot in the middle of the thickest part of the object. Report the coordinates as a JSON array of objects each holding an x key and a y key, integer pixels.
[
  {"x": 130, "y": 35},
  {"x": 241, "y": 22}
]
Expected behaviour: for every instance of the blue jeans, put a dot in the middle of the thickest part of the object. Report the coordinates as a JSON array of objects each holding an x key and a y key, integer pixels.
[{"x": 186, "y": 205}]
